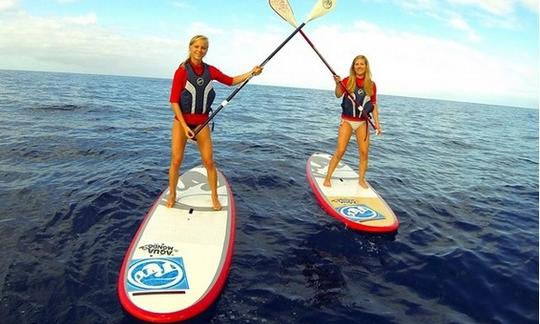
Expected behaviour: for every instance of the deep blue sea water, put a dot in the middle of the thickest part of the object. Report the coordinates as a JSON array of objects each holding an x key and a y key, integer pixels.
[{"x": 83, "y": 157}]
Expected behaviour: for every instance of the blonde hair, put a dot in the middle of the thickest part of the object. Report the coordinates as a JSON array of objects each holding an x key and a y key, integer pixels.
[
  {"x": 368, "y": 83},
  {"x": 193, "y": 40}
]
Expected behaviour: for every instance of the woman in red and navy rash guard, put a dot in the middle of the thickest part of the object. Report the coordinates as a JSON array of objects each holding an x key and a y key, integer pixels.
[
  {"x": 353, "y": 117},
  {"x": 191, "y": 98}
]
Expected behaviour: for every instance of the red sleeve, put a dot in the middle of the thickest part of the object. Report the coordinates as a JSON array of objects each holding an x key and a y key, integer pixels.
[
  {"x": 178, "y": 84},
  {"x": 374, "y": 97},
  {"x": 219, "y": 76}
]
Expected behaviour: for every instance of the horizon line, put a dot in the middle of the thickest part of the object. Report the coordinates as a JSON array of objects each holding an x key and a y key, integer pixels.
[{"x": 268, "y": 85}]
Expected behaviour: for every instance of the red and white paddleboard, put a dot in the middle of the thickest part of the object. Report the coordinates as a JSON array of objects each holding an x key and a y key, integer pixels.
[
  {"x": 359, "y": 208},
  {"x": 180, "y": 257}
]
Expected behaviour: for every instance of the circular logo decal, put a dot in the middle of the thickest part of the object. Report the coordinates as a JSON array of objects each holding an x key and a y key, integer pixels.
[
  {"x": 327, "y": 4},
  {"x": 200, "y": 81},
  {"x": 358, "y": 213},
  {"x": 155, "y": 273}
]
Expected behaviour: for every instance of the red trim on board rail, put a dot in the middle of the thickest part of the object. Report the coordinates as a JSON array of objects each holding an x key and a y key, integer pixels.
[
  {"x": 327, "y": 207},
  {"x": 201, "y": 304}
]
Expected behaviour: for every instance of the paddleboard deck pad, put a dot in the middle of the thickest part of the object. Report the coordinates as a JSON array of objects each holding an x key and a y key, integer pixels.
[
  {"x": 359, "y": 208},
  {"x": 179, "y": 259}
]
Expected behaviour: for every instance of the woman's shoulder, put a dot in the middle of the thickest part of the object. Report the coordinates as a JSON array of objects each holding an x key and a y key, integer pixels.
[
  {"x": 181, "y": 66},
  {"x": 210, "y": 66},
  {"x": 180, "y": 71},
  {"x": 213, "y": 70}
]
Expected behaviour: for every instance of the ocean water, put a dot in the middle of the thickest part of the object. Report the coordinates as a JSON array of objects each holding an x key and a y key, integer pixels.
[{"x": 83, "y": 157}]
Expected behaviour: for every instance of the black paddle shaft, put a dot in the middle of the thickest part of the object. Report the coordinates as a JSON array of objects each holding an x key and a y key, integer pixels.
[{"x": 229, "y": 98}]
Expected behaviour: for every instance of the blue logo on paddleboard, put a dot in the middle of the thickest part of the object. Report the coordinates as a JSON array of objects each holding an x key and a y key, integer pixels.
[
  {"x": 157, "y": 274},
  {"x": 359, "y": 213}
]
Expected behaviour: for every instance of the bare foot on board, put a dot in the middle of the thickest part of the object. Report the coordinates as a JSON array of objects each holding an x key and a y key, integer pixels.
[
  {"x": 363, "y": 184},
  {"x": 216, "y": 205},
  {"x": 171, "y": 200}
]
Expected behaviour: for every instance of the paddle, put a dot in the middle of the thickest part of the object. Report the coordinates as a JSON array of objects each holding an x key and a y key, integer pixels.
[
  {"x": 229, "y": 98},
  {"x": 317, "y": 11},
  {"x": 283, "y": 9}
]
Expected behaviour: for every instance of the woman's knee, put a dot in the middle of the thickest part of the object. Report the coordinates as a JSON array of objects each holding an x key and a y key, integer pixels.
[
  {"x": 339, "y": 154},
  {"x": 364, "y": 155},
  {"x": 208, "y": 164},
  {"x": 176, "y": 161}
]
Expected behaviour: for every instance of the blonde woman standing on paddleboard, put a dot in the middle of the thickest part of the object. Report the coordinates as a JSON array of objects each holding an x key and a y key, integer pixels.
[
  {"x": 354, "y": 116},
  {"x": 191, "y": 99}
]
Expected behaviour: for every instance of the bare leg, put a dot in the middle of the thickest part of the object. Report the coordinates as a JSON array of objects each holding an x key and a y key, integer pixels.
[
  {"x": 362, "y": 138},
  {"x": 344, "y": 135},
  {"x": 178, "y": 145},
  {"x": 204, "y": 141}
]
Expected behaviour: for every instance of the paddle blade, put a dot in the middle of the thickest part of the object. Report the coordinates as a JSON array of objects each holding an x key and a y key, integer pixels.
[
  {"x": 283, "y": 9},
  {"x": 322, "y": 7}
]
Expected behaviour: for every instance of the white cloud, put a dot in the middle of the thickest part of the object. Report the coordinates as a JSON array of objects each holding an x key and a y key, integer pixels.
[
  {"x": 499, "y": 7},
  {"x": 459, "y": 23},
  {"x": 417, "y": 66},
  {"x": 197, "y": 28},
  {"x": 495, "y": 7},
  {"x": 403, "y": 63},
  {"x": 181, "y": 4},
  {"x": 88, "y": 19},
  {"x": 76, "y": 44},
  {"x": 462, "y": 14},
  {"x": 532, "y": 5},
  {"x": 8, "y": 4}
]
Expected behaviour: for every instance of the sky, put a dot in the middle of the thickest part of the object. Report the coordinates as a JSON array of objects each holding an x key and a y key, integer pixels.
[{"x": 482, "y": 51}]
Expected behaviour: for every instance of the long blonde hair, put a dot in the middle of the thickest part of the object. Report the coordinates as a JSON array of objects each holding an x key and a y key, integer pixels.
[
  {"x": 368, "y": 83},
  {"x": 193, "y": 40}
]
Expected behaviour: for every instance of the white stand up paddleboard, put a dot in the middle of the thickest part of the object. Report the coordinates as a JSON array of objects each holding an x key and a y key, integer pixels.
[
  {"x": 180, "y": 257},
  {"x": 359, "y": 208}
]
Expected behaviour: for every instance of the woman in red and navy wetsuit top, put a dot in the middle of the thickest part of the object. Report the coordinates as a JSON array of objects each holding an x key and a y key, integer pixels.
[
  {"x": 191, "y": 98},
  {"x": 363, "y": 89}
]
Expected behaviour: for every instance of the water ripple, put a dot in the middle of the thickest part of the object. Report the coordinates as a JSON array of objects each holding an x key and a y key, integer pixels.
[{"x": 84, "y": 159}]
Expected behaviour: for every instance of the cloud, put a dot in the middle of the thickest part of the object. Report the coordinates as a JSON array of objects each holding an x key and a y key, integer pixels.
[
  {"x": 462, "y": 14},
  {"x": 88, "y": 19},
  {"x": 196, "y": 28},
  {"x": 499, "y": 7},
  {"x": 414, "y": 65},
  {"x": 443, "y": 14},
  {"x": 403, "y": 63},
  {"x": 77, "y": 44},
  {"x": 532, "y": 5},
  {"x": 6, "y": 5},
  {"x": 181, "y": 4},
  {"x": 495, "y": 7},
  {"x": 459, "y": 23}
]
